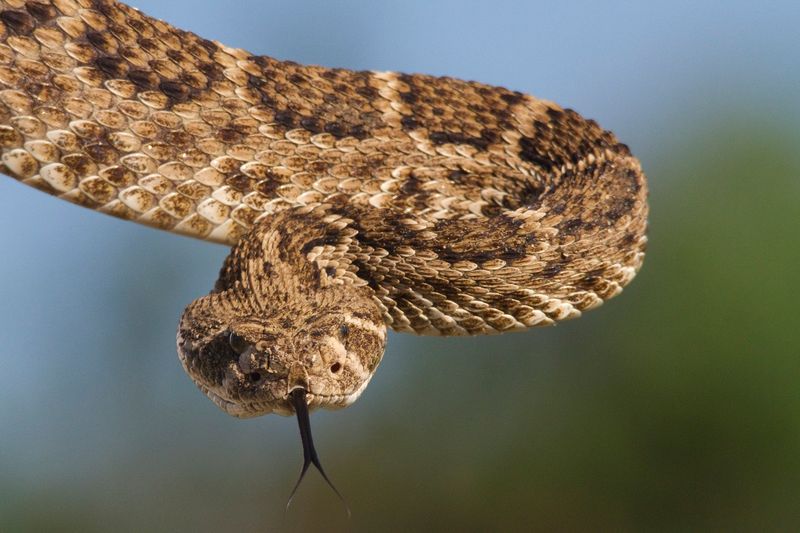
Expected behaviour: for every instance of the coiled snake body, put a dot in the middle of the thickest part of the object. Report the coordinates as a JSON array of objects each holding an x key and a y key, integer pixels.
[{"x": 353, "y": 200}]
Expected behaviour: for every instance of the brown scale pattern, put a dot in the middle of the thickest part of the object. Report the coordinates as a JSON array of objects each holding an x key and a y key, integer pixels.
[{"x": 473, "y": 209}]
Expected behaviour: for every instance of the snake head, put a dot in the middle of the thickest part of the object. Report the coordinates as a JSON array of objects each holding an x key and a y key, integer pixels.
[{"x": 249, "y": 363}]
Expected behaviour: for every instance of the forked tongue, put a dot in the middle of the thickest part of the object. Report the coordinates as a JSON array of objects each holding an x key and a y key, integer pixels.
[{"x": 298, "y": 399}]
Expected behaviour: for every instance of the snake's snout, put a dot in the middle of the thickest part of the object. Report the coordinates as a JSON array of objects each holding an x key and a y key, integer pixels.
[{"x": 243, "y": 378}]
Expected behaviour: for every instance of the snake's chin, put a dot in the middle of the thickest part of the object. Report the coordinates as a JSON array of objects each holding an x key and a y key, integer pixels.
[{"x": 283, "y": 406}]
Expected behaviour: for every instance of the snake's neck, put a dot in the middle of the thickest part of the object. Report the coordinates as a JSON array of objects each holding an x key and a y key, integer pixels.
[{"x": 285, "y": 314}]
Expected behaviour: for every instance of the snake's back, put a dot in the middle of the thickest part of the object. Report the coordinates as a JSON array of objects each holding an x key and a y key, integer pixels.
[{"x": 466, "y": 208}]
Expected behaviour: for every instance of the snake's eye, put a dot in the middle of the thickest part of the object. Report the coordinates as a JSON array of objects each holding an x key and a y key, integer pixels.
[
  {"x": 344, "y": 330},
  {"x": 237, "y": 342}
]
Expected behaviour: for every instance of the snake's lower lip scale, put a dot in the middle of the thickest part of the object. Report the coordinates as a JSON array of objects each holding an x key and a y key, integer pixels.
[
  {"x": 255, "y": 409},
  {"x": 353, "y": 201}
]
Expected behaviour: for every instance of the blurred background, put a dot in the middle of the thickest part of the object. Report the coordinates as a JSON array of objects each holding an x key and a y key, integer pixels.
[{"x": 675, "y": 407}]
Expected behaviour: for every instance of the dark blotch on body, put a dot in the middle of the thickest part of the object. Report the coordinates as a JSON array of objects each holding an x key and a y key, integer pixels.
[
  {"x": 114, "y": 67},
  {"x": 175, "y": 90},
  {"x": 41, "y": 12},
  {"x": 534, "y": 152},
  {"x": 17, "y": 21},
  {"x": 144, "y": 79}
]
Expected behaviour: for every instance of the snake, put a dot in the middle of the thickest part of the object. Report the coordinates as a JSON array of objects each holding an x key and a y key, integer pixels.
[{"x": 353, "y": 201}]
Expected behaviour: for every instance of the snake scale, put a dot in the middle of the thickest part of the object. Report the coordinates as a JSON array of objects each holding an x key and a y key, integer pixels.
[{"x": 352, "y": 200}]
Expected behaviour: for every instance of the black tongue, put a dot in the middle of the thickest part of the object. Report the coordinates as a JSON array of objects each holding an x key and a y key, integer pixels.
[{"x": 298, "y": 399}]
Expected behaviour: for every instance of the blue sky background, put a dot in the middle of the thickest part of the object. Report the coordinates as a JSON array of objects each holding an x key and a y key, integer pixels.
[{"x": 90, "y": 387}]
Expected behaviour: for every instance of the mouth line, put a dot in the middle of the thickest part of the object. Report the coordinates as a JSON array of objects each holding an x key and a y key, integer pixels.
[{"x": 254, "y": 409}]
